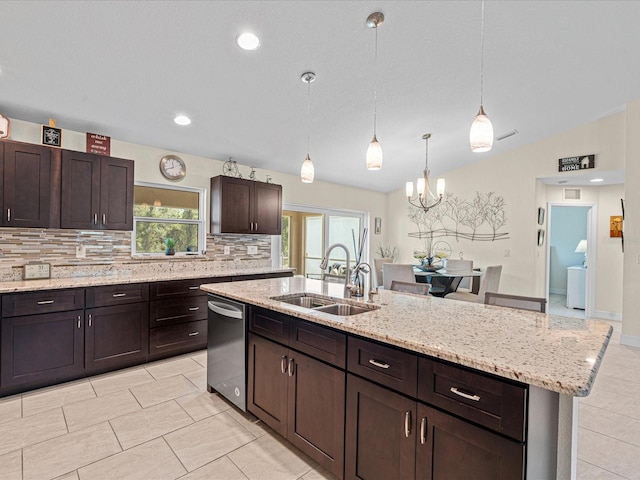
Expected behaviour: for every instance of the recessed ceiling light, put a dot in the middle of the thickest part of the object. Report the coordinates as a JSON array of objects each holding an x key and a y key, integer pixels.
[
  {"x": 596, "y": 180},
  {"x": 182, "y": 120},
  {"x": 248, "y": 41}
]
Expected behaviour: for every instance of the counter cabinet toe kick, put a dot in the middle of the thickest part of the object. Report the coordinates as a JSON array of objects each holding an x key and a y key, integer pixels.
[{"x": 368, "y": 410}]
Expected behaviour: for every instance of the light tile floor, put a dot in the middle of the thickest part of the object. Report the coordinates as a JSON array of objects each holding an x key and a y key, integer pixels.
[{"x": 157, "y": 422}]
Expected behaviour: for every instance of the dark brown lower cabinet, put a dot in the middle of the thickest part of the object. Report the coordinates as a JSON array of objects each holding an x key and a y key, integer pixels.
[
  {"x": 389, "y": 436},
  {"x": 42, "y": 349},
  {"x": 116, "y": 336},
  {"x": 299, "y": 397}
]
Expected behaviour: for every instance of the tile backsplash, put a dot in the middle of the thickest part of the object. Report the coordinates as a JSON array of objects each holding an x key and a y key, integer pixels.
[{"x": 109, "y": 252}]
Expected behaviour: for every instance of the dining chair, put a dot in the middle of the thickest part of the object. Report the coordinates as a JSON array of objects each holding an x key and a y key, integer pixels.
[
  {"x": 410, "y": 287},
  {"x": 465, "y": 265},
  {"x": 397, "y": 271},
  {"x": 535, "y": 304},
  {"x": 489, "y": 282},
  {"x": 377, "y": 271}
]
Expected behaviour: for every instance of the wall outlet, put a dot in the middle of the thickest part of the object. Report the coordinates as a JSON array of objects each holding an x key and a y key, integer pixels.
[
  {"x": 227, "y": 250},
  {"x": 81, "y": 250},
  {"x": 252, "y": 249}
]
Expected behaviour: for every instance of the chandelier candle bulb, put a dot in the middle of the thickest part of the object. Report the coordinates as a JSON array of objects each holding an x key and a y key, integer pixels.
[
  {"x": 409, "y": 189},
  {"x": 440, "y": 187}
]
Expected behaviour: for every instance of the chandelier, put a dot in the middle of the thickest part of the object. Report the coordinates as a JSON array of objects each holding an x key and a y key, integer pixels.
[{"x": 424, "y": 195}]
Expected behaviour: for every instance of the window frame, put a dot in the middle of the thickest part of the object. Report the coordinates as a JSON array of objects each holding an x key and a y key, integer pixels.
[{"x": 202, "y": 215}]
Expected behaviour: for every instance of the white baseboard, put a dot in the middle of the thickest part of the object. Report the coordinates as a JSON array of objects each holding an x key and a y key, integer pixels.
[
  {"x": 630, "y": 340},
  {"x": 608, "y": 315}
]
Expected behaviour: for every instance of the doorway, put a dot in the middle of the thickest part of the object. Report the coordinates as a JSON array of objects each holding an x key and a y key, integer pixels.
[
  {"x": 308, "y": 231},
  {"x": 570, "y": 278}
]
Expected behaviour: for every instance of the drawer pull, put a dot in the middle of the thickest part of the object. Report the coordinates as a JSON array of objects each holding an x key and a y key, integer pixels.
[
  {"x": 378, "y": 364},
  {"x": 283, "y": 364},
  {"x": 193, "y": 334},
  {"x": 193, "y": 309},
  {"x": 468, "y": 396},
  {"x": 116, "y": 295},
  {"x": 423, "y": 431},
  {"x": 45, "y": 302},
  {"x": 291, "y": 367},
  {"x": 194, "y": 288},
  {"x": 407, "y": 424}
]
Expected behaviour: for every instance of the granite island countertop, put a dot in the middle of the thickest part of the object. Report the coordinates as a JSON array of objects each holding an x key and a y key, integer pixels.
[
  {"x": 556, "y": 353},
  {"x": 125, "y": 277}
]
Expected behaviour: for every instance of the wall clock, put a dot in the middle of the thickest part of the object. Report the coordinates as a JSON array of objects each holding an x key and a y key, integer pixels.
[{"x": 173, "y": 167}]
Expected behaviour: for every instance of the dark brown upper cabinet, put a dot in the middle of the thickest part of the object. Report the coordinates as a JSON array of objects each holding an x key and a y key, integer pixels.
[
  {"x": 29, "y": 185},
  {"x": 97, "y": 192},
  {"x": 245, "y": 206}
]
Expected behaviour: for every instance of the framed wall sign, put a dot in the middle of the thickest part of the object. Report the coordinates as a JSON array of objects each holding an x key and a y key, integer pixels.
[
  {"x": 541, "y": 216},
  {"x": 540, "y": 237},
  {"x": 51, "y": 136},
  {"x": 377, "y": 226},
  {"x": 570, "y": 164}
]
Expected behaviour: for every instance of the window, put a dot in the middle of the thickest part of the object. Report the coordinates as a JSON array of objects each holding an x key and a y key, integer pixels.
[{"x": 161, "y": 212}]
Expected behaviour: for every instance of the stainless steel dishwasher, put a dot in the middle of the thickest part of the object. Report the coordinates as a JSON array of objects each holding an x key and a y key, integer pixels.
[{"x": 226, "y": 369}]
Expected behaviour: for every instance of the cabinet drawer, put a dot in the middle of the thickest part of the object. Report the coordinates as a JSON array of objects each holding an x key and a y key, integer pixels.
[
  {"x": 494, "y": 403},
  {"x": 177, "y": 310},
  {"x": 319, "y": 342},
  {"x": 183, "y": 336},
  {"x": 16, "y": 304},
  {"x": 385, "y": 365},
  {"x": 117, "y": 294},
  {"x": 190, "y": 287},
  {"x": 270, "y": 325}
]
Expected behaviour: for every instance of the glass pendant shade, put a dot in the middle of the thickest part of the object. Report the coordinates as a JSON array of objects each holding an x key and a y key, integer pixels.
[
  {"x": 307, "y": 171},
  {"x": 409, "y": 189},
  {"x": 481, "y": 133},
  {"x": 440, "y": 187},
  {"x": 420, "y": 187},
  {"x": 374, "y": 155}
]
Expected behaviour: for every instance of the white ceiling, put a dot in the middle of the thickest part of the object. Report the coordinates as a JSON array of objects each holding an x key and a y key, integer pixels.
[{"x": 126, "y": 68}]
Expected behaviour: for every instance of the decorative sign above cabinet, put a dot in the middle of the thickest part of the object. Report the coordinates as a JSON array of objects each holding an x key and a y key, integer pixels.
[
  {"x": 576, "y": 163},
  {"x": 100, "y": 144}
]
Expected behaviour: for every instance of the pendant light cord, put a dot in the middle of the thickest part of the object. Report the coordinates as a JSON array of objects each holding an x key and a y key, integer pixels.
[
  {"x": 375, "y": 84},
  {"x": 308, "y": 114},
  {"x": 482, "y": 55}
]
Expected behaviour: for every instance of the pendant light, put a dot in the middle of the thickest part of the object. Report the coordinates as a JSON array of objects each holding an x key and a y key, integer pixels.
[
  {"x": 481, "y": 133},
  {"x": 423, "y": 190},
  {"x": 307, "y": 171},
  {"x": 374, "y": 152}
]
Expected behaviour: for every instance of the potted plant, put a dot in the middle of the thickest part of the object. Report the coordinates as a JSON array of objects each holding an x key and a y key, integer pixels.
[{"x": 170, "y": 243}]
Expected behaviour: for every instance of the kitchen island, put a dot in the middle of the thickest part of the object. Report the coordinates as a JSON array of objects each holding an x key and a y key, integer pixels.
[{"x": 540, "y": 363}]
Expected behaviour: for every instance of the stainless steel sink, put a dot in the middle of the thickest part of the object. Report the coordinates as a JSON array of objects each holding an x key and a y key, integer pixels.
[
  {"x": 343, "y": 309},
  {"x": 324, "y": 304}
]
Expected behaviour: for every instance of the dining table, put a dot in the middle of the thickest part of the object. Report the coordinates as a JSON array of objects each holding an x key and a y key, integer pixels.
[{"x": 447, "y": 279}]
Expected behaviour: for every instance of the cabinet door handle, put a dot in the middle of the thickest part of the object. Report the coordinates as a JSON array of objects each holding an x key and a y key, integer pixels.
[
  {"x": 196, "y": 287},
  {"x": 194, "y": 309},
  {"x": 79, "y": 322},
  {"x": 193, "y": 334},
  {"x": 291, "y": 367},
  {"x": 468, "y": 396},
  {"x": 423, "y": 431},
  {"x": 90, "y": 319},
  {"x": 256, "y": 225},
  {"x": 379, "y": 364},
  {"x": 104, "y": 218},
  {"x": 95, "y": 218},
  {"x": 116, "y": 295},
  {"x": 8, "y": 214},
  {"x": 283, "y": 364},
  {"x": 45, "y": 302},
  {"x": 407, "y": 424}
]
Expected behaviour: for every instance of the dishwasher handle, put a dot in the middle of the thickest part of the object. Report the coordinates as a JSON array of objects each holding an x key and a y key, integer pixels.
[{"x": 225, "y": 310}]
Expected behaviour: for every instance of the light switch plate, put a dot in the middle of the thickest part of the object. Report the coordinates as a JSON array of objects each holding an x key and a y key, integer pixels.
[{"x": 35, "y": 271}]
